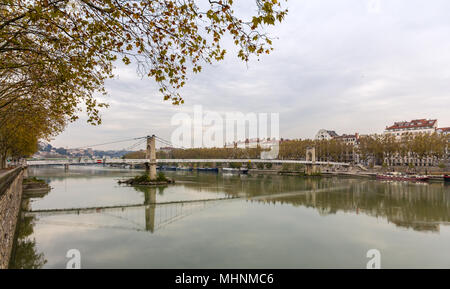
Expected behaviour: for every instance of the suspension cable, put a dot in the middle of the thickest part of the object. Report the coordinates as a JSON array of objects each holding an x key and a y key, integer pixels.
[
  {"x": 135, "y": 145},
  {"x": 166, "y": 142},
  {"x": 112, "y": 142}
]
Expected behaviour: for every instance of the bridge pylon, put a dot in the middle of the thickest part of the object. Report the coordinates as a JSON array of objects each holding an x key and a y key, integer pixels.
[
  {"x": 311, "y": 156},
  {"x": 150, "y": 202},
  {"x": 150, "y": 155}
]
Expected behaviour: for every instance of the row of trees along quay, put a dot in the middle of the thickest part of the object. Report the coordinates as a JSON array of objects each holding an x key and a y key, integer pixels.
[
  {"x": 372, "y": 150},
  {"x": 55, "y": 55}
]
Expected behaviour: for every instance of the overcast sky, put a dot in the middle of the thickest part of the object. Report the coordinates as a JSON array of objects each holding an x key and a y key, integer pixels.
[{"x": 347, "y": 65}]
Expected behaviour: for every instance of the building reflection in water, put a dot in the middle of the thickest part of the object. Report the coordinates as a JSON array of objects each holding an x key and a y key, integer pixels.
[
  {"x": 418, "y": 206},
  {"x": 421, "y": 207}
]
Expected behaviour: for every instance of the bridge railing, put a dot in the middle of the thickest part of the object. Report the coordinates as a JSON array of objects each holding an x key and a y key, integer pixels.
[
  {"x": 246, "y": 161},
  {"x": 162, "y": 161}
]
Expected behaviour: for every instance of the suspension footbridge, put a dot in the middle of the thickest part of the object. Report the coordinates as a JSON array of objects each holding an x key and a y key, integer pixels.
[{"x": 151, "y": 160}]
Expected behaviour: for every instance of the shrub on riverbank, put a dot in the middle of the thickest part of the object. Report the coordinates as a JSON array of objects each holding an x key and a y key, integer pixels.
[
  {"x": 235, "y": 165},
  {"x": 286, "y": 167},
  {"x": 145, "y": 178},
  {"x": 34, "y": 180},
  {"x": 161, "y": 177}
]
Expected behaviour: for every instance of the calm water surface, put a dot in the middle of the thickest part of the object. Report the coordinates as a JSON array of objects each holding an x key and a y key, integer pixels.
[{"x": 230, "y": 221}]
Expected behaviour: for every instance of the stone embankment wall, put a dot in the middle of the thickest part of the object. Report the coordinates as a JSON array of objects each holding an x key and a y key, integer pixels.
[{"x": 10, "y": 202}]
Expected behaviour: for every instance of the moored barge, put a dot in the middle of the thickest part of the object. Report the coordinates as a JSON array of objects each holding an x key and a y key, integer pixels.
[{"x": 395, "y": 176}]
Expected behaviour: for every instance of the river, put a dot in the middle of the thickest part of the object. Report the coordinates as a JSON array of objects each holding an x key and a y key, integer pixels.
[{"x": 209, "y": 220}]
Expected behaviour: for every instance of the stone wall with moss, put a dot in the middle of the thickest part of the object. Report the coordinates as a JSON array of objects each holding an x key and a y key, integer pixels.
[{"x": 10, "y": 201}]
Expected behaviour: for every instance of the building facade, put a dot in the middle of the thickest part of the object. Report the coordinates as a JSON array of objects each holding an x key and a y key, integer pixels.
[
  {"x": 324, "y": 134},
  {"x": 349, "y": 139},
  {"x": 443, "y": 130},
  {"x": 415, "y": 126}
]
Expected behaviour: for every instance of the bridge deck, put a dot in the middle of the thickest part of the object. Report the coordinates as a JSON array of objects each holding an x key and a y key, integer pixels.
[{"x": 162, "y": 161}]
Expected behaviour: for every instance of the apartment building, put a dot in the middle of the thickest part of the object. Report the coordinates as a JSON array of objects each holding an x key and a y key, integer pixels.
[{"x": 414, "y": 126}]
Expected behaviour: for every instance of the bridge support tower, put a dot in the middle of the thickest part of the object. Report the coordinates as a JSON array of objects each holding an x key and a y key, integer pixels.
[
  {"x": 312, "y": 168},
  {"x": 150, "y": 202},
  {"x": 151, "y": 156}
]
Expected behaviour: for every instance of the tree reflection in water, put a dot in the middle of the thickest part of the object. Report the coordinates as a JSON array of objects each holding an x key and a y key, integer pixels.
[
  {"x": 25, "y": 253},
  {"x": 418, "y": 206}
]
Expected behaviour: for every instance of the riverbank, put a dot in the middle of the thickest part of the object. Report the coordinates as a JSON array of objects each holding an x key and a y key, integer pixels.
[
  {"x": 352, "y": 174},
  {"x": 302, "y": 174},
  {"x": 10, "y": 201}
]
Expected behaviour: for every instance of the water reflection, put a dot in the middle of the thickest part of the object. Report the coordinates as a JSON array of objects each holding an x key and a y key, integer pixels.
[
  {"x": 149, "y": 216},
  {"x": 274, "y": 202},
  {"x": 421, "y": 207},
  {"x": 25, "y": 254}
]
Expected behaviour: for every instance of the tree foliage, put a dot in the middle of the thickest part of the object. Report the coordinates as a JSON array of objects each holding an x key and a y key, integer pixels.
[
  {"x": 374, "y": 148},
  {"x": 370, "y": 149},
  {"x": 418, "y": 146},
  {"x": 326, "y": 150},
  {"x": 57, "y": 54},
  {"x": 202, "y": 153},
  {"x": 80, "y": 39},
  {"x": 28, "y": 123}
]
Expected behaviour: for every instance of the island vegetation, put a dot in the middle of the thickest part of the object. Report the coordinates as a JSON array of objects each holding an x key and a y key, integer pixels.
[{"x": 145, "y": 180}]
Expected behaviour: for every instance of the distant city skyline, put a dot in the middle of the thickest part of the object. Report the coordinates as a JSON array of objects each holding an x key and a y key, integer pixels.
[{"x": 343, "y": 66}]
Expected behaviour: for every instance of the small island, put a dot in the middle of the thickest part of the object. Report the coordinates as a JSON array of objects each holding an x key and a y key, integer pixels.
[
  {"x": 145, "y": 180},
  {"x": 33, "y": 183}
]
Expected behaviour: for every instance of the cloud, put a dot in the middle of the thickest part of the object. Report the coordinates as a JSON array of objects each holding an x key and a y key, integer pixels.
[{"x": 336, "y": 65}]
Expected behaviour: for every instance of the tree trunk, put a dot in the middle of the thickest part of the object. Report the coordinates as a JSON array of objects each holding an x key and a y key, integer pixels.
[{"x": 2, "y": 161}]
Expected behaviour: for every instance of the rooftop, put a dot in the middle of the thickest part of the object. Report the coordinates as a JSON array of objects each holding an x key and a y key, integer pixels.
[
  {"x": 416, "y": 123},
  {"x": 347, "y": 136},
  {"x": 444, "y": 129},
  {"x": 332, "y": 133}
]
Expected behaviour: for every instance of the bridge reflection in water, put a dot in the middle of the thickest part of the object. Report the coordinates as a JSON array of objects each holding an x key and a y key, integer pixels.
[
  {"x": 150, "y": 216},
  {"x": 421, "y": 207}
]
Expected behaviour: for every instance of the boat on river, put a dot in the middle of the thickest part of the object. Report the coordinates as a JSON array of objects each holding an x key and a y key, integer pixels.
[
  {"x": 396, "y": 176},
  {"x": 235, "y": 170},
  {"x": 214, "y": 170},
  {"x": 167, "y": 168},
  {"x": 184, "y": 169}
]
